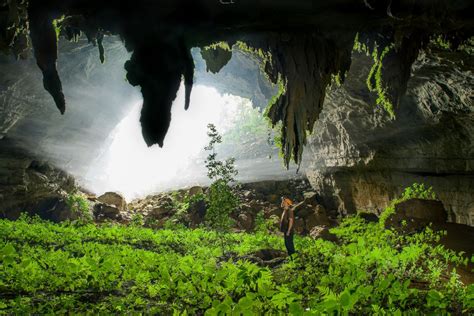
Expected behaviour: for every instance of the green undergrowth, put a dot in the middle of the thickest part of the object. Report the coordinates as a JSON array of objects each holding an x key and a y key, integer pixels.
[{"x": 48, "y": 268}]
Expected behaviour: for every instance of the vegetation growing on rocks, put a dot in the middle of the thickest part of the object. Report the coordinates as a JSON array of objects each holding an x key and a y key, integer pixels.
[{"x": 113, "y": 268}]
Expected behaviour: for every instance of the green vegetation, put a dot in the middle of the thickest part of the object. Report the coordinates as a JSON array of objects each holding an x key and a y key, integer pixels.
[
  {"x": 374, "y": 79},
  {"x": 415, "y": 191},
  {"x": 79, "y": 204},
  {"x": 111, "y": 268},
  {"x": 249, "y": 125},
  {"x": 221, "y": 200},
  {"x": 57, "y": 26}
]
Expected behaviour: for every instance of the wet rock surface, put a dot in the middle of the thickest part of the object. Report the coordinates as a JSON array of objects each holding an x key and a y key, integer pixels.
[
  {"x": 362, "y": 159},
  {"x": 32, "y": 186},
  {"x": 286, "y": 30}
]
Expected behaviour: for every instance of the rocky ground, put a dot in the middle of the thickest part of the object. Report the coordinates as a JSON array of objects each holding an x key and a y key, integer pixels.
[{"x": 37, "y": 188}]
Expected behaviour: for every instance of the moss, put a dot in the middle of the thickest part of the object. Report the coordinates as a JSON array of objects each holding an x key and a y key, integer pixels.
[
  {"x": 57, "y": 25},
  {"x": 442, "y": 42},
  {"x": 336, "y": 79},
  {"x": 468, "y": 46},
  {"x": 374, "y": 79},
  {"x": 222, "y": 45},
  {"x": 382, "y": 99}
]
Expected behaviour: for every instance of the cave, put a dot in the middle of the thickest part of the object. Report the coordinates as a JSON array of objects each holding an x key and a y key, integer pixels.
[{"x": 184, "y": 134}]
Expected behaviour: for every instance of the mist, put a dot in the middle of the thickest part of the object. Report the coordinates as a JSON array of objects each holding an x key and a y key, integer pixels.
[{"x": 128, "y": 166}]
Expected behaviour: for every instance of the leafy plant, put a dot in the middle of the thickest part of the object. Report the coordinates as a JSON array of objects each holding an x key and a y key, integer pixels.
[
  {"x": 264, "y": 225},
  {"x": 374, "y": 79},
  {"x": 49, "y": 268},
  {"x": 419, "y": 191},
  {"x": 415, "y": 191},
  {"x": 221, "y": 200},
  {"x": 79, "y": 204},
  {"x": 137, "y": 220}
]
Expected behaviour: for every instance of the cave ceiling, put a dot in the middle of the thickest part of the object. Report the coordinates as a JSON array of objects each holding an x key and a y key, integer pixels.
[{"x": 303, "y": 46}]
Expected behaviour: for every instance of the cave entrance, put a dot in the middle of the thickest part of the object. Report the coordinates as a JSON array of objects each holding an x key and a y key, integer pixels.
[{"x": 127, "y": 165}]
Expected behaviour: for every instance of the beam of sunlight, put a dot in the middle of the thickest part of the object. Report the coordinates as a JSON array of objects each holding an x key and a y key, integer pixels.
[{"x": 127, "y": 165}]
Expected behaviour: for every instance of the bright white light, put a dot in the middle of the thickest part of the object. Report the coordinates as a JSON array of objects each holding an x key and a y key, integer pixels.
[{"x": 130, "y": 167}]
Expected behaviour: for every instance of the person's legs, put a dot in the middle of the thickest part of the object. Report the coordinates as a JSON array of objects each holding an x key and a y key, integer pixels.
[{"x": 290, "y": 246}]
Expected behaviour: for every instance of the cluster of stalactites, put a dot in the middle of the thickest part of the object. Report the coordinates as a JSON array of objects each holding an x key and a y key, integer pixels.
[{"x": 302, "y": 62}]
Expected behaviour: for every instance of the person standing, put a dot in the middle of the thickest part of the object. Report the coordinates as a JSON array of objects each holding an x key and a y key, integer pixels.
[{"x": 286, "y": 224}]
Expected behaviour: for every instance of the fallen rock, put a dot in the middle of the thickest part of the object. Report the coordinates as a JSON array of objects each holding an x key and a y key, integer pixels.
[
  {"x": 425, "y": 210},
  {"x": 195, "y": 190},
  {"x": 417, "y": 214},
  {"x": 245, "y": 222},
  {"x": 115, "y": 199},
  {"x": 322, "y": 232},
  {"x": 197, "y": 213},
  {"x": 299, "y": 226},
  {"x": 275, "y": 211},
  {"x": 103, "y": 211},
  {"x": 369, "y": 217},
  {"x": 158, "y": 212},
  {"x": 317, "y": 218}
]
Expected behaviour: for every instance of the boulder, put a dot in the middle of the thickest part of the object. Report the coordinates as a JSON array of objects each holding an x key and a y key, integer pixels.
[
  {"x": 322, "y": 232},
  {"x": 197, "y": 213},
  {"x": 103, "y": 211},
  {"x": 369, "y": 217},
  {"x": 245, "y": 222},
  {"x": 195, "y": 190},
  {"x": 274, "y": 211},
  {"x": 302, "y": 209},
  {"x": 317, "y": 218},
  {"x": 114, "y": 199},
  {"x": 422, "y": 210},
  {"x": 415, "y": 214},
  {"x": 159, "y": 211},
  {"x": 299, "y": 226}
]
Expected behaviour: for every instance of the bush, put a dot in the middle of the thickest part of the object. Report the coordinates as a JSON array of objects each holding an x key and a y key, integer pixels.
[
  {"x": 79, "y": 204},
  {"x": 221, "y": 200},
  {"x": 265, "y": 226},
  {"x": 418, "y": 191}
]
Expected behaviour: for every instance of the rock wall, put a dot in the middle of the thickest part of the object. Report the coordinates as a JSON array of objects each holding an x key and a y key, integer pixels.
[
  {"x": 32, "y": 186},
  {"x": 362, "y": 159},
  {"x": 72, "y": 141}
]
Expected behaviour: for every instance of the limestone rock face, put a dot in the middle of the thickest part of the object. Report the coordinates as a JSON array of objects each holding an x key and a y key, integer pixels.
[
  {"x": 104, "y": 211},
  {"x": 32, "y": 186},
  {"x": 362, "y": 159},
  {"x": 110, "y": 206},
  {"x": 70, "y": 142},
  {"x": 416, "y": 214},
  {"x": 115, "y": 199}
]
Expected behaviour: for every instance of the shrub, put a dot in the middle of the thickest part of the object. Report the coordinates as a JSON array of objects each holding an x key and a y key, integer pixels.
[
  {"x": 221, "y": 200},
  {"x": 79, "y": 204},
  {"x": 137, "y": 220}
]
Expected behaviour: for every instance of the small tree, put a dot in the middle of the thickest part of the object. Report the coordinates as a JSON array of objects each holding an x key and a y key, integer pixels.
[{"x": 222, "y": 201}]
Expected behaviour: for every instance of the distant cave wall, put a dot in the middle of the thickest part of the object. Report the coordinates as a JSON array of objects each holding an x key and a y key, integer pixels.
[
  {"x": 240, "y": 76},
  {"x": 361, "y": 159},
  {"x": 99, "y": 97}
]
